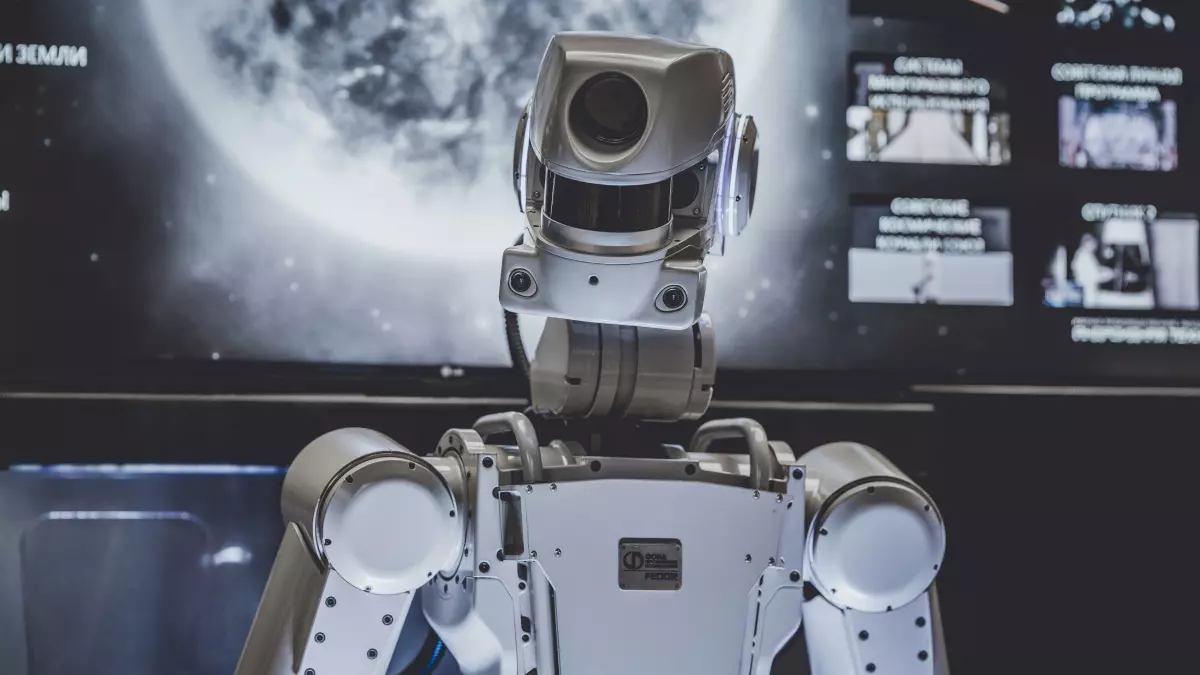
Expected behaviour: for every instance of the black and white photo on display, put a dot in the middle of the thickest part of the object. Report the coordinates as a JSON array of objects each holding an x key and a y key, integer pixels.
[
  {"x": 930, "y": 252},
  {"x": 1132, "y": 258},
  {"x": 1118, "y": 115},
  {"x": 1118, "y": 135},
  {"x": 925, "y": 110}
]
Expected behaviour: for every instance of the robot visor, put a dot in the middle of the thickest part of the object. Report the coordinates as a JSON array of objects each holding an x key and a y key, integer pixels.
[{"x": 608, "y": 208}]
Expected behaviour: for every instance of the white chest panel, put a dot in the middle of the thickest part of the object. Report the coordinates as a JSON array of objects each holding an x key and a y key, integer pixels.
[{"x": 727, "y": 538}]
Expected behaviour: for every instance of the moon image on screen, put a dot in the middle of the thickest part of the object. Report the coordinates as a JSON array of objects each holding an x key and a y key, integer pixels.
[
  {"x": 376, "y": 136},
  {"x": 391, "y": 121}
]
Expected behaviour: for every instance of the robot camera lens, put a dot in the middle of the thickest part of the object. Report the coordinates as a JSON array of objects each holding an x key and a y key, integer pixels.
[
  {"x": 672, "y": 298},
  {"x": 610, "y": 109},
  {"x": 521, "y": 282}
]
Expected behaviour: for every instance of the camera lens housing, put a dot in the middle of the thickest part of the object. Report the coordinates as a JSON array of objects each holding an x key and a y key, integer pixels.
[
  {"x": 671, "y": 299},
  {"x": 610, "y": 109},
  {"x": 521, "y": 282}
]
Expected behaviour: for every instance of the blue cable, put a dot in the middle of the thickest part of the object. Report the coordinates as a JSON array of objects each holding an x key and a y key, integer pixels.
[{"x": 433, "y": 660}]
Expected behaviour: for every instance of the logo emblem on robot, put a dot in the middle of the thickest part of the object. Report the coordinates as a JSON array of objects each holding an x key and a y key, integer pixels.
[{"x": 650, "y": 564}]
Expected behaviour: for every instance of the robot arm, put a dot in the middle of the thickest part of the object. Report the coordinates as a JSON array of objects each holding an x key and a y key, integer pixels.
[
  {"x": 368, "y": 523},
  {"x": 873, "y": 548}
]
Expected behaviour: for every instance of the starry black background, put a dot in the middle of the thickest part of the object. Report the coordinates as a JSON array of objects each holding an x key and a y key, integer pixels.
[{"x": 76, "y": 242}]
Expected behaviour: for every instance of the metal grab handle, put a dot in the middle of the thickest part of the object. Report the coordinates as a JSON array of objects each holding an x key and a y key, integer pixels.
[
  {"x": 756, "y": 438},
  {"x": 527, "y": 441}
]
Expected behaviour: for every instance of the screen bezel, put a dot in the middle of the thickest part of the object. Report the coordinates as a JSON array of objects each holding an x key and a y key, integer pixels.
[{"x": 501, "y": 384}]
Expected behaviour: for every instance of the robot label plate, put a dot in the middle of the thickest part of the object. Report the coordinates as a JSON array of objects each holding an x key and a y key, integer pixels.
[{"x": 650, "y": 564}]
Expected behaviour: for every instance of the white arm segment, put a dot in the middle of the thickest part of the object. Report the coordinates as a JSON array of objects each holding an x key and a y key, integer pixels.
[
  {"x": 873, "y": 550},
  {"x": 368, "y": 522},
  {"x": 907, "y": 640}
]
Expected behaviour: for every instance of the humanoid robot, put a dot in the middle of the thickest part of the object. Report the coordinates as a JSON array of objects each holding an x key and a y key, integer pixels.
[{"x": 544, "y": 557}]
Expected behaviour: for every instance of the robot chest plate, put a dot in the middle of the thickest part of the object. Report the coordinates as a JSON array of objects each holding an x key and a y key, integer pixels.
[{"x": 614, "y": 553}]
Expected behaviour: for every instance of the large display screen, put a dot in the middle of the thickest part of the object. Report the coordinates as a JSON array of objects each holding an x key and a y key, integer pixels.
[{"x": 328, "y": 182}]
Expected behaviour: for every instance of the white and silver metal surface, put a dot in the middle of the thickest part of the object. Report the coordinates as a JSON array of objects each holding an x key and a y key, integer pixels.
[{"x": 631, "y": 165}]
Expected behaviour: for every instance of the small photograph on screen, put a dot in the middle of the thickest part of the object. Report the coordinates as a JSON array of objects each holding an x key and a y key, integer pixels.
[
  {"x": 1118, "y": 117},
  {"x": 925, "y": 110},
  {"x": 1156, "y": 16},
  {"x": 1125, "y": 257},
  {"x": 909, "y": 250}
]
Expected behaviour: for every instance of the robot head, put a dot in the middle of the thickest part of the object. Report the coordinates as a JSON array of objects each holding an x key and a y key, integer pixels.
[{"x": 630, "y": 165}]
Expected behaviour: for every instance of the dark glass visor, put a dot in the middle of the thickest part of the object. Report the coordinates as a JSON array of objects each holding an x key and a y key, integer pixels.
[{"x": 608, "y": 208}]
